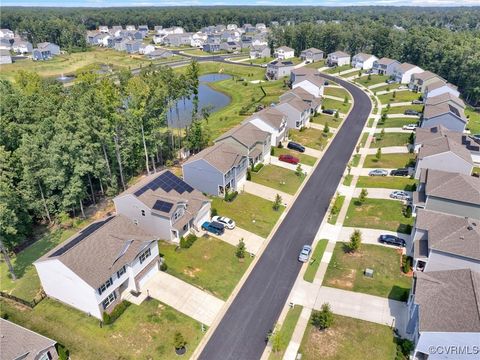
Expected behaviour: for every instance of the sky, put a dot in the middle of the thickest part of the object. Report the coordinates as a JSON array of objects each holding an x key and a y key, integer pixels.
[{"x": 117, "y": 3}]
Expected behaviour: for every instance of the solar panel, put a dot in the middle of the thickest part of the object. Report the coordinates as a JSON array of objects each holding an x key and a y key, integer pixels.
[
  {"x": 167, "y": 181},
  {"x": 163, "y": 206},
  {"x": 81, "y": 235}
]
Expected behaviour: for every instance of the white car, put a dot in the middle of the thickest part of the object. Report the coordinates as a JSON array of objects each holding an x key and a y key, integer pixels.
[
  {"x": 401, "y": 195},
  {"x": 305, "y": 253},
  {"x": 225, "y": 221},
  {"x": 409, "y": 127}
]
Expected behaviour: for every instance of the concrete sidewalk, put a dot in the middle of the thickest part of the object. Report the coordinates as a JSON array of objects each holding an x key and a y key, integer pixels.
[
  {"x": 394, "y": 104},
  {"x": 266, "y": 192},
  {"x": 253, "y": 242}
]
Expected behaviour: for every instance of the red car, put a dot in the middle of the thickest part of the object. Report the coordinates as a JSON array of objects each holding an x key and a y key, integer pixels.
[{"x": 289, "y": 159}]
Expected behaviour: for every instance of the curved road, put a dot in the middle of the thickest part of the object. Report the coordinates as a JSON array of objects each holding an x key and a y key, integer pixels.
[{"x": 241, "y": 333}]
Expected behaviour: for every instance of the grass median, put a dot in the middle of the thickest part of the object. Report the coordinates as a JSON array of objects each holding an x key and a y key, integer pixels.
[{"x": 315, "y": 260}]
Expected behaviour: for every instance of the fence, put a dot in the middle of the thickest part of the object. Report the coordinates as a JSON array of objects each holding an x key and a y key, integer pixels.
[{"x": 30, "y": 304}]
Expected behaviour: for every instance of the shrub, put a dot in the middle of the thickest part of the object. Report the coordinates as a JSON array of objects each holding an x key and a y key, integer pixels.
[
  {"x": 336, "y": 115},
  {"x": 187, "y": 242},
  {"x": 406, "y": 263},
  {"x": 277, "y": 202},
  {"x": 116, "y": 312},
  {"x": 163, "y": 266},
  {"x": 213, "y": 212},
  {"x": 378, "y": 154},
  {"x": 345, "y": 100},
  {"x": 179, "y": 341},
  {"x": 299, "y": 170},
  {"x": 280, "y": 145},
  {"x": 277, "y": 341},
  {"x": 323, "y": 319},
  {"x": 363, "y": 196},
  {"x": 63, "y": 353},
  {"x": 240, "y": 251},
  {"x": 249, "y": 175},
  {"x": 326, "y": 129},
  {"x": 230, "y": 196},
  {"x": 408, "y": 211},
  {"x": 257, "y": 167},
  {"x": 272, "y": 151}
]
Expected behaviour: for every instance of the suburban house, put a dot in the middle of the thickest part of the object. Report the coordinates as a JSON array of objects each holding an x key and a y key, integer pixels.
[
  {"x": 116, "y": 30},
  {"x": 38, "y": 54},
  {"x": 198, "y": 39},
  {"x": 259, "y": 52},
  {"x": 52, "y": 48},
  {"x": 22, "y": 47},
  {"x": 159, "y": 54},
  {"x": 130, "y": 28},
  {"x": 311, "y": 55},
  {"x": 178, "y": 39},
  {"x": 445, "y": 242},
  {"x": 297, "y": 112},
  {"x": 450, "y": 193},
  {"x": 212, "y": 45},
  {"x": 143, "y": 29},
  {"x": 420, "y": 81},
  {"x": 164, "y": 205},
  {"x": 443, "y": 153},
  {"x": 146, "y": 49},
  {"x": 300, "y": 72},
  {"x": 283, "y": 53},
  {"x": 443, "y": 309},
  {"x": 6, "y": 34},
  {"x": 231, "y": 46},
  {"x": 439, "y": 87},
  {"x": 363, "y": 61},
  {"x": 261, "y": 27},
  {"x": 278, "y": 69},
  {"x": 445, "y": 97},
  {"x": 103, "y": 29},
  {"x": 5, "y": 44},
  {"x": 216, "y": 169},
  {"x": 338, "y": 58},
  {"x": 232, "y": 26},
  {"x": 403, "y": 72},
  {"x": 5, "y": 57},
  {"x": 100, "y": 265},
  {"x": 447, "y": 114},
  {"x": 19, "y": 343},
  {"x": 249, "y": 141},
  {"x": 385, "y": 66},
  {"x": 310, "y": 83},
  {"x": 299, "y": 93},
  {"x": 272, "y": 121},
  {"x": 132, "y": 46}
]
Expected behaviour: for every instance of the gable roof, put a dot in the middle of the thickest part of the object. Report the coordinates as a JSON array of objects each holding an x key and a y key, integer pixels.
[
  {"x": 387, "y": 61},
  {"x": 441, "y": 145},
  {"x": 438, "y": 84},
  {"x": 445, "y": 97},
  {"x": 297, "y": 104},
  {"x": 452, "y": 186},
  {"x": 315, "y": 80},
  {"x": 276, "y": 63},
  {"x": 247, "y": 134},
  {"x": 449, "y": 301},
  {"x": 339, "y": 54},
  {"x": 313, "y": 50},
  {"x": 431, "y": 111},
  {"x": 404, "y": 67},
  {"x": 271, "y": 116},
  {"x": 363, "y": 56},
  {"x": 221, "y": 156},
  {"x": 426, "y": 75},
  {"x": 284, "y": 48}
]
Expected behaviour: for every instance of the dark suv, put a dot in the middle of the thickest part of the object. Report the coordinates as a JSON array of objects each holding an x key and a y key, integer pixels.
[
  {"x": 328, "y": 111},
  {"x": 391, "y": 240},
  {"x": 399, "y": 172},
  {"x": 295, "y": 146}
]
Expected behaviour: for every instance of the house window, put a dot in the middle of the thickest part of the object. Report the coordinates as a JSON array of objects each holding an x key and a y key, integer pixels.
[
  {"x": 145, "y": 255},
  {"x": 143, "y": 212},
  {"x": 105, "y": 286},
  {"x": 122, "y": 271},
  {"x": 108, "y": 300}
]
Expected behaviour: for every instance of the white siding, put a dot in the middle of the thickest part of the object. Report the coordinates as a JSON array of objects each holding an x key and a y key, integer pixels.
[{"x": 309, "y": 87}]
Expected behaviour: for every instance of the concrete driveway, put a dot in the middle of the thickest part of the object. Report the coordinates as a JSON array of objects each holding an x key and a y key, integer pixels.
[
  {"x": 253, "y": 242},
  {"x": 370, "y": 236},
  {"x": 274, "y": 161},
  {"x": 364, "y": 171},
  {"x": 378, "y": 193}
]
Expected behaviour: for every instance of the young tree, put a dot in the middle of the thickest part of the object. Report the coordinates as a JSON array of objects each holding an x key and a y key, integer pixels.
[
  {"x": 240, "y": 251},
  {"x": 336, "y": 115},
  {"x": 277, "y": 341},
  {"x": 179, "y": 340},
  {"x": 355, "y": 241},
  {"x": 323, "y": 319},
  {"x": 394, "y": 95},
  {"x": 345, "y": 99},
  {"x": 369, "y": 76},
  {"x": 277, "y": 202},
  {"x": 363, "y": 196},
  {"x": 326, "y": 128},
  {"x": 382, "y": 133},
  {"x": 378, "y": 154},
  {"x": 299, "y": 170}
]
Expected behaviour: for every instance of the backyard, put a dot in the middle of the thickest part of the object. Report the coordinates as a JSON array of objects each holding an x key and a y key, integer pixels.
[
  {"x": 346, "y": 271},
  {"x": 304, "y": 159},
  {"x": 374, "y": 79},
  {"x": 278, "y": 178},
  {"x": 380, "y": 214},
  {"x": 473, "y": 120},
  {"x": 337, "y": 69},
  {"x": 390, "y": 139},
  {"x": 389, "y": 161},
  {"x": 335, "y": 91},
  {"x": 385, "y": 87},
  {"x": 309, "y": 137},
  {"x": 386, "y": 182}
]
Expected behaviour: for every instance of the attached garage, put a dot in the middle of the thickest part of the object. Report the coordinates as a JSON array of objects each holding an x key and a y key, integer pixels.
[{"x": 148, "y": 275}]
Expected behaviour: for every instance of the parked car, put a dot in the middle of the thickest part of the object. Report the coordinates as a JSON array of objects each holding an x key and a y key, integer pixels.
[
  {"x": 391, "y": 240},
  {"x": 213, "y": 227},
  {"x": 401, "y": 195},
  {"x": 411, "y": 112},
  {"x": 326, "y": 83},
  {"x": 399, "y": 172},
  {"x": 225, "y": 221},
  {"x": 417, "y": 102},
  {"x": 305, "y": 253},
  {"x": 295, "y": 146},
  {"x": 289, "y": 159},
  {"x": 409, "y": 127},
  {"x": 378, "y": 172},
  {"x": 329, "y": 111},
  {"x": 391, "y": 81}
]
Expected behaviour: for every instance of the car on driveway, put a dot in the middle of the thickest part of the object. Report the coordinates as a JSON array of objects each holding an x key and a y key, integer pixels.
[
  {"x": 378, "y": 172},
  {"x": 296, "y": 146},
  {"x": 409, "y": 127},
  {"x": 225, "y": 221},
  {"x": 400, "y": 195},
  {"x": 391, "y": 81},
  {"x": 289, "y": 159},
  {"x": 399, "y": 172},
  {"x": 417, "y": 102},
  {"x": 411, "y": 112},
  {"x": 213, "y": 227},
  {"x": 305, "y": 253},
  {"x": 328, "y": 111},
  {"x": 391, "y": 240}
]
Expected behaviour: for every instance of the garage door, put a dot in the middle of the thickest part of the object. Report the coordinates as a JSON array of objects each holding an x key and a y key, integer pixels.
[
  {"x": 202, "y": 216},
  {"x": 148, "y": 276}
]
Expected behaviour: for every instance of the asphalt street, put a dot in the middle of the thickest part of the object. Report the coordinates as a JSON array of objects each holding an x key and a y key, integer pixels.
[{"x": 241, "y": 333}]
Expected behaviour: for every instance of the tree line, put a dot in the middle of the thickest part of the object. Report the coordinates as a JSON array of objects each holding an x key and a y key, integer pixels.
[{"x": 62, "y": 148}]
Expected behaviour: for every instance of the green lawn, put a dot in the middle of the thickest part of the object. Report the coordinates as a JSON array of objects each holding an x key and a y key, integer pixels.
[
  {"x": 322, "y": 119},
  {"x": 250, "y": 212},
  {"x": 315, "y": 260},
  {"x": 389, "y": 161},
  {"x": 386, "y": 87},
  {"x": 378, "y": 214},
  {"x": 310, "y": 137},
  {"x": 390, "y": 139},
  {"x": 401, "y": 109},
  {"x": 316, "y": 64},
  {"x": 396, "y": 122},
  {"x": 400, "y": 96},
  {"x": 363, "y": 140},
  {"x": 260, "y": 61},
  {"x": 279, "y": 178},
  {"x": 355, "y": 160},
  {"x": 304, "y": 159},
  {"x": 334, "y": 70},
  {"x": 209, "y": 264},
  {"x": 374, "y": 79},
  {"x": 386, "y": 182},
  {"x": 139, "y": 333},
  {"x": 347, "y": 181},
  {"x": 338, "y": 206},
  {"x": 370, "y": 122},
  {"x": 473, "y": 120},
  {"x": 345, "y": 271},
  {"x": 348, "y": 339},
  {"x": 286, "y": 330},
  {"x": 338, "y": 92},
  {"x": 336, "y": 105}
]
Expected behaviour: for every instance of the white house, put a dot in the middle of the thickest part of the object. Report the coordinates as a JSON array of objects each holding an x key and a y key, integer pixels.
[
  {"x": 447, "y": 114},
  {"x": 363, "y": 61},
  {"x": 420, "y": 81},
  {"x": 5, "y": 57},
  {"x": 297, "y": 112},
  {"x": 278, "y": 69},
  {"x": 403, "y": 73},
  {"x": 164, "y": 205},
  {"x": 146, "y": 49},
  {"x": 6, "y": 34},
  {"x": 198, "y": 39},
  {"x": 259, "y": 52},
  {"x": 440, "y": 87},
  {"x": 338, "y": 58},
  {"x": 103, "y": 29},
  {"x": 22, "y": 47},
  {"x": 100, "y": 265},
  {"x": 310, "y": 83},
  {"x": 284, "y": 52},
  {"x": 272, "y": 121},
  {"x": 131, "y": 28}
]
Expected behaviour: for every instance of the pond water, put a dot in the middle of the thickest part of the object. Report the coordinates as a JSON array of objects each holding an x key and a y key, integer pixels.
[{"x": 206, "y": 97}]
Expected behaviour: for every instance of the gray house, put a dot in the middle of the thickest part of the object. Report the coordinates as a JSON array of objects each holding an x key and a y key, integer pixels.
[
  {"x": 231, "y": 46},
  {"x": 216, "y": 169},
  {"x": 312, "y": 55},
  {"x": 445, "y": 242},
  {"x": 164, "y": 205},
  {"x": 297, "y": 112},
  {"x": 159, "y": 54},
  {"x": 259, "y": 52},
  {"x": 338, "y": 58},
  {"x": 18, "y": 342},
  {"x": 22, "y": 47},
  {"x": 52, "y": 48},
  {"x": 450, "y": 193},
  {"x": 385, "y": 66},
  {"x": 278, "y": 69},
  {"x": 420, "y": 81},
  {"x": 299, "y": 93},
  {"x": 447, "y": 114},
  {"x": 178, "y": 39},
  {"x": 5, "y": 57}
]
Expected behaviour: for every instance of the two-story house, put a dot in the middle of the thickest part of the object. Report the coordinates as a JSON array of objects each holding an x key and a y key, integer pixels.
[
  {"x": 22, "y": 47},
  {"x": 447, "y": 114},
  {"x": 363, "y": 61},
  {"x": 438, "y": 88},
  {"x": 278, "y": 69},
  {"x": 284, "y": 53},
  {"x": 385, "y": 66},
  {"x": 445, "y": 98},
  {"x": 98, "y": 266},
  {"x": 164, "y": 205},
  {"x": 310, "y": 83},
  {"x": 216, "y": 170},
  {"x": 338, "y": 58},
  {"x": 420, "y": 81},
  {"x": 313, "y": 102},
  {"x": 259, "y": 52},
  {"x": 272, "y": 121},
  {"x": 311, "y": 55},
  {"x": 297, "y": 112},
  {"x": 403, "y": 72}
]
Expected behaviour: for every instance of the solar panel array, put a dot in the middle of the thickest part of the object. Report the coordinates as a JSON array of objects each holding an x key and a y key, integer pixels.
[
  {"x": 163, "y": 206},
  {"x": 167, "y": 182},
  {"x": 81, "y": 235}
]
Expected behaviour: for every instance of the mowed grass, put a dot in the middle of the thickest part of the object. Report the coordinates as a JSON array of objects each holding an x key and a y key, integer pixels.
[
  {"x": 390, "y": 139},
  {"x": 337, "y": 206},
  {"x": 336, "y": 105},
  {"x": 310, "y": 137},
  {"x": 398, "y": 96},
  {"x": 337, "y": 69},
  {"x": 378, "y": 214},
  {"x": 386, "y": 182},
  {"x": 323, "y": 119},
  {"x": 374, "y": 79},
  {"x": 401, "y": 109},
  {"x": 315, "y": 260},
  {"x": 348, "y": 339},
  {"x": 316, "y": 65},
  {"x": 347, "y": 181},
  {"x": 139, "y": 333},
  {"x": 389, "y": 161},
  {"x": 304, "y": 159},
  {"x": 396, "y": 122},
  {"x": 386, "y": 87},
  {"x": 264, "y": 60},
  {"x": 473, "y": 120},
  {"x": 279, "y": 178},
  {"x": 209, "y": 264},
  {"x": 346, "y": 271},
  {"x": 250, "y": 212},
  {"x": 338, "y": 92},
  {"x": 363, "y": 140},
  {"x": 286, "y": 331}
]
